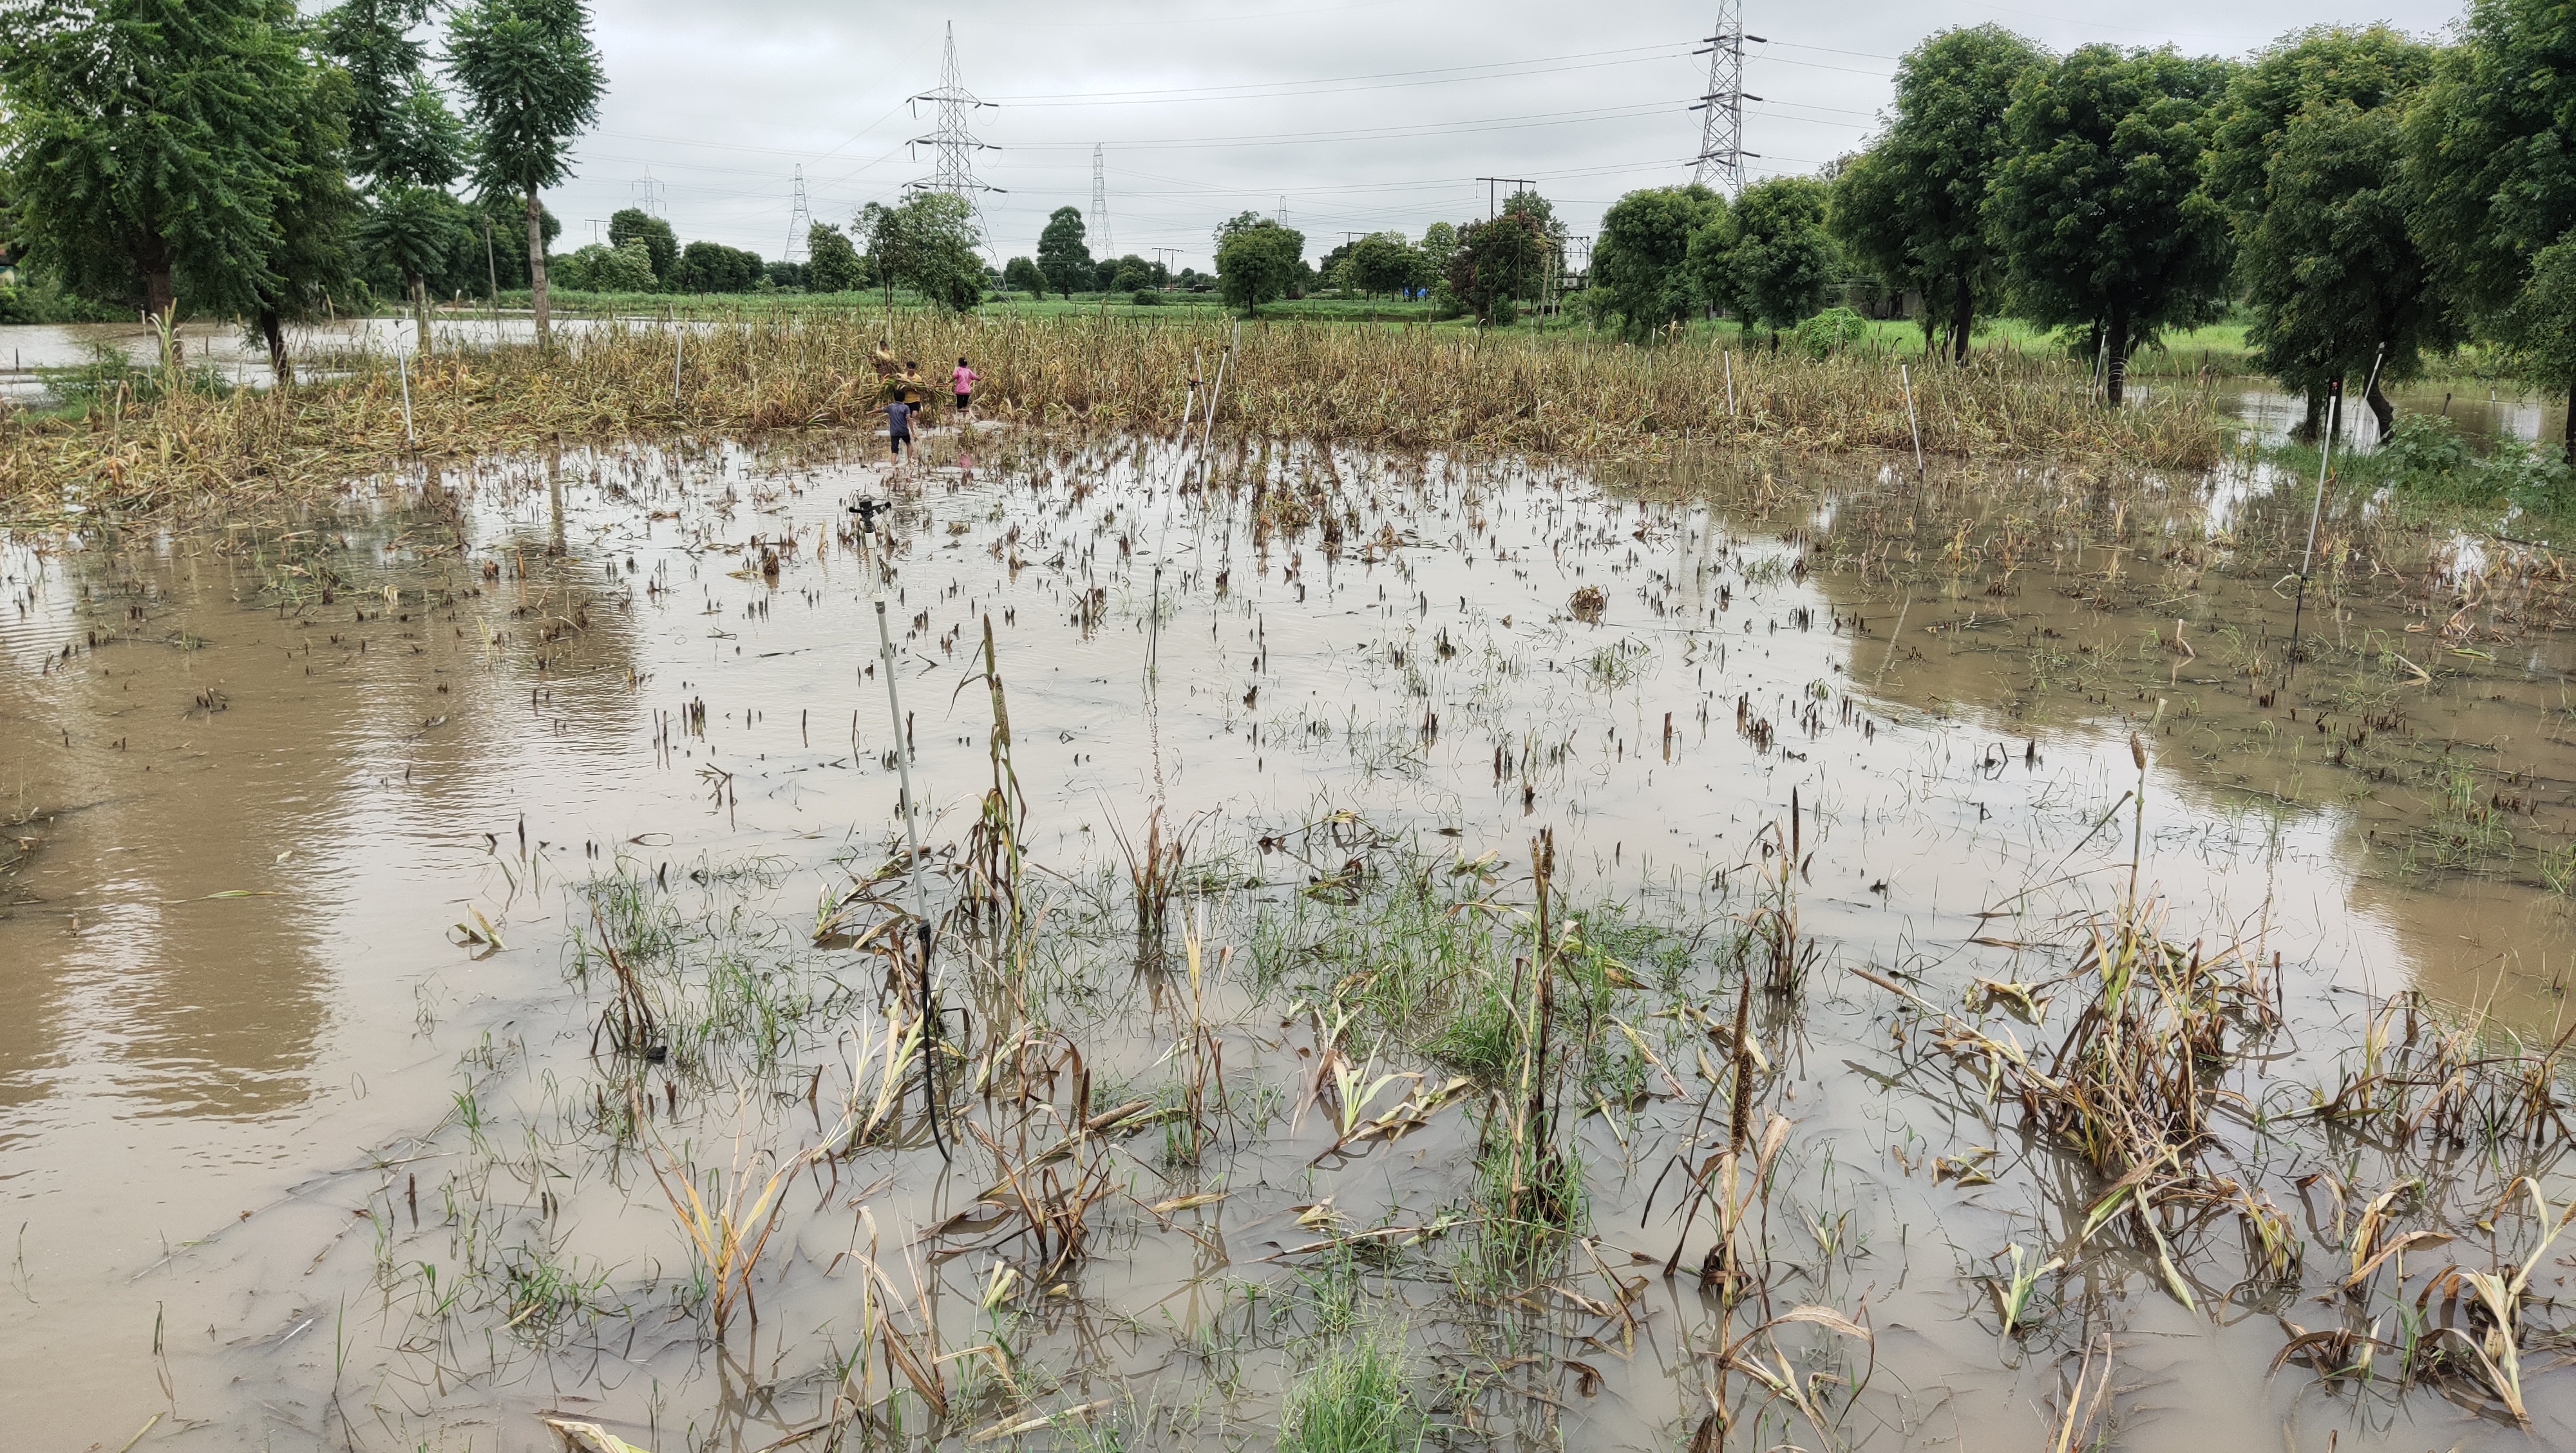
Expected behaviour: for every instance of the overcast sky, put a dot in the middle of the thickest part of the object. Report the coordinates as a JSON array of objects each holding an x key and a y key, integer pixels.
[{"x": 1353, "y": 117}]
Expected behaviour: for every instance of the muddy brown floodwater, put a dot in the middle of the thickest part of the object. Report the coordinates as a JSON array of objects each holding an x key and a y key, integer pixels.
[{"x": 331, "y": 841}]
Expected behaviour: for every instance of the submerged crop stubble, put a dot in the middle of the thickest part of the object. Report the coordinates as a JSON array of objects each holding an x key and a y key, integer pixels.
[{"x": 1846, "y": 1078}]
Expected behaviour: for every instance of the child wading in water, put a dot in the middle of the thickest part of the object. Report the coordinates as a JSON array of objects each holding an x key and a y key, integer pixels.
[
  {"x": 915, "y": 392},
  {"x": 898, "y": 422},
  {"x": 963, "y": 381}
]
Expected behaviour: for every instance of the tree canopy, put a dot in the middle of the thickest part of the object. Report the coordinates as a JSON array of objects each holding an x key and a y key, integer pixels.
[
  {"x": 832, "y": 263},
  {"x": 634, "y": 224},
  {"x": 1912, "y": 208},
  {"x": 1063, "y": 255},
  {"x": 1256, "y": 259},
  {"x": 532, "y": 81},
  {"x": 929, "y": 244},
  {"x": 1768, "y": 257},
  {"x": 2100, "y": 207},
  {"x": 1641, "y": 262},
  {"x": 2308, "y": 159},
  {"x": 155, "y": 145}
]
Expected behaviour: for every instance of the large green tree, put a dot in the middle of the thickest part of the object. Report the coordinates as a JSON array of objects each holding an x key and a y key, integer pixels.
[
  {"x": 313, "y": 260},
  {"x": 930, "y": 244},
  {"x": 532, "y": 82},
  {"x": 1641, "y": 263},
  {"x": 2369, "y": 66},
  {"x": 832, "y": 262},
  {"x": 1498, "y": 261},
  {"x": 2540, "y": 327},
  {"x": 1384, "y": 262},
  {"x": 2335, "y": 282},
  {"x": 1256, "y": 260},
  {"x": 2099, "y": 207},
  {"x": 1769, "y": 258},
  {"x": 399, "y": 126},
  {"x": 2492, "y": 154},
  {"x": 1021, "y": 274},
  {"x": 712, "y": 267},
  {"x": 1912, "y": 207},
  {"x": 1438, "y": 240},
  {"x": 405, "y": 146},
  {"x": 634, "y": 224},
  {"x": 418, "y": 232},
  {"x": 1063, "y": 255},
  {"x": 2307, "y": 158},
  {"x": 155, "y": 145}
]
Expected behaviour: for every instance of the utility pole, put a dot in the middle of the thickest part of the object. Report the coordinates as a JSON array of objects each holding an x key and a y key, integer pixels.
[
  {"x": 1165, "y": 256},
  {"x": 799, "y": 220},
  {"x": 1721, "y": 133},
  {"x": 952, "y": 165},
  {"x": 1099, "y": 205},
  {"x": 1493, "y": 208}
]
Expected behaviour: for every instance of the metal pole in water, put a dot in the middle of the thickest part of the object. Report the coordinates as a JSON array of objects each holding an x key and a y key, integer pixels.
[
  {"x": 1207, "y": 429},
  {"x": 402, "y": 366},
  {"x": 2325, "y": 456},
  {"x": 1907, "y": 375},
  {"x": 679, "y": 350},
  {"x": 1728, "y": 358}
]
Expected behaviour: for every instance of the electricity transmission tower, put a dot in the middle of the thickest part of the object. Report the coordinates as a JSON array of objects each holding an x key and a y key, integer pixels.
[
  {"x": 953, "y": 147},
  {"x": 1721, "y": 134},
  {"x": 647, "y": 194},
  {"x": 1099, "y": 206},
  {"x": 799, "y": 220}
]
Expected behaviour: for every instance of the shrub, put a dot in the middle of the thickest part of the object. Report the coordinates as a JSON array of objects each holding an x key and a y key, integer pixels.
[
  {"x": 1831, "y": 331},
  {"x": 2428, "y": 457},
  {"x": 1146, "y": 298}
]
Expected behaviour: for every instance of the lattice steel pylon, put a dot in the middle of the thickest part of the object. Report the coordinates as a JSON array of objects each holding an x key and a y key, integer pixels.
[
  {"x": 647, "y": 194},
  {"x": 800, "y": 220},
  {"x": 1099, "y": 205},
  {"x": 952, "y": 162},
  {"x": 1721, "y": 134}
]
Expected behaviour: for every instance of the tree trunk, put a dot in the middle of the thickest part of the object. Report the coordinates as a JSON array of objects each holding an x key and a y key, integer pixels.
[
  {"x": 2382, "y": 410},
  {"x": 271, "y": 329},
  {"x": 2308, "y": 430},
  {"x": 2115, "y": 363},
  {"x": 1963, "y": 319},
  {"x": 420, "y": 310},
  {"x": 537, "y": 262},
  {"x": 160, "y": 299}
]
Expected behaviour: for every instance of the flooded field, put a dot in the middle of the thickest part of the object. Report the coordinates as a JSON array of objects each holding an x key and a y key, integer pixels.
[{"x": 1424, "y": 953}]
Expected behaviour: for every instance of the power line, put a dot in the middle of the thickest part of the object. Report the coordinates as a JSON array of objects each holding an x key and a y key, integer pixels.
[
  {"x": 1721, "y": 132},
  {"x": 1519, "y": 185}
]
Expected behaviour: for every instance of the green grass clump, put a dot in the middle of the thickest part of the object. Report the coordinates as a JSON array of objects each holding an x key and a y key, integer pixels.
[{"x": 1353, "y": 1400}]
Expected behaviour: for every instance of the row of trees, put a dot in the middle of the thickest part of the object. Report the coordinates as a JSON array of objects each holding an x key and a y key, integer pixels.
[
  {"x": 245, "y": 157},
  {"x": 2366, "y": 198},
  {"x": 1064, "y": 264},
  {"x": 643, "y": 255}
]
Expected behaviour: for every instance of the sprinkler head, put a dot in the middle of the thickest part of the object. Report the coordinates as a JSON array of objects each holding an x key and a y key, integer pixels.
[{"x": 867, "y": 510}]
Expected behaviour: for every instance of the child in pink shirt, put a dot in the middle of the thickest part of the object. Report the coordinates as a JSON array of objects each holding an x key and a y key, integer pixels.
[{"x": 963, "y": 382}]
